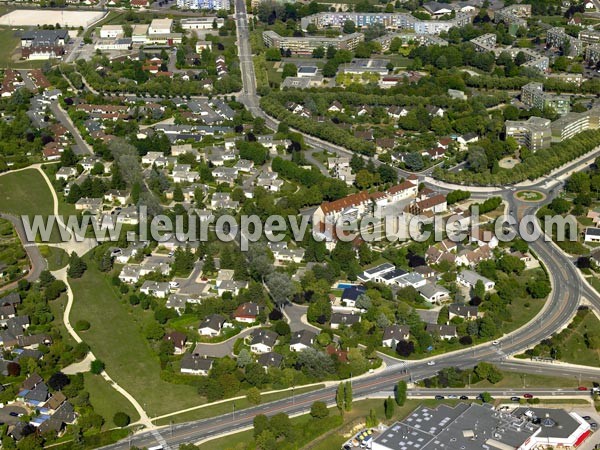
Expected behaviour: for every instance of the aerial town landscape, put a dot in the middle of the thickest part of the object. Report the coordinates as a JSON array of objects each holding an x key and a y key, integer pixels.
[{"x": 278, "y": 225}]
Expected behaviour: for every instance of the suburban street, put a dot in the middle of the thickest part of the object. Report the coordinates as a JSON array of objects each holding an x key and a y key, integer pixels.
[{"x": 568, "y": 289}]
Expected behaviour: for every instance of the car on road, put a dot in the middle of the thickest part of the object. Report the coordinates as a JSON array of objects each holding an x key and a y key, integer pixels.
[
  {"x": 586, "y": 418},
  {"x": 515, "y": 399},
  {"x": 495, "y": 342},
  {"x": 582, "y": 388},
  {"x": 431, "y": 363},
  {"x": 527, "y": 396},
  {"x": 464, "y": 397},
  {"x": 452, "y": 396},
  {"x": 439, "y": 397},
  {"x": 13, "y": 414},
  {"x": 173, "y": 284},
  {"x": 593, "y": 425}
]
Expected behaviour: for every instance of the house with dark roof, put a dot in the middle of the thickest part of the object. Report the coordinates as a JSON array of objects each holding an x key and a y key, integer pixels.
[
  {"x": 394, "y": 334},
  {"x": 351, "y": 294},
  {"x": 11, "y": 299},
  {"x": 339, "y": 319},
  {"x": 270, "y": 359},
  {"x": 178, "y": 339},
  {"x": 263, "y": 341},
  {"x": 466, "y": 312},
  {"x": 195, "y": 364},
  {"x": 443, "y": 331},
  {"x": 301, "y": 340},
  {"x": 212, "y": 325}
]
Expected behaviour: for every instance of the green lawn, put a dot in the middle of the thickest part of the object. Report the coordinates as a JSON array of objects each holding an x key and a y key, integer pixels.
[
  {"x": 574, "y": 347},
  {"x": 225, "y": 407},
  {"x": 106, "y": 401},
  {"x": 10, "y": 41},
  {"x": 58, "y": 307},
  {"x": 56, "y": 257},
  {"x": 519, "y": 380},
  {"x": 25, "y": 192},
  {"x": 116, "y": 338}
]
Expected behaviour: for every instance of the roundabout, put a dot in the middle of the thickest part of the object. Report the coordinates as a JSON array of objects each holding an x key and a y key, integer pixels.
[{"x": 530, "y": 196}]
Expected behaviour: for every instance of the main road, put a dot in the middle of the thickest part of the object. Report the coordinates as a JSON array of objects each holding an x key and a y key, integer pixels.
[{"x": 559, "y": 308}]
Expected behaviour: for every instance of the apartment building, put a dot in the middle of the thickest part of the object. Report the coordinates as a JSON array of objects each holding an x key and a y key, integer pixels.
[
  {"x": 515, "y": 15},
  {"x": 592, "y": 54},
  {"x": 556, "y": 37},
  {"x": 589, "y": 36},
  {"x": 573, "y": 123},
  {"x": 305, "y": 45},
  {"x": 203, "y": 4},
  {"x": 422, "y": 39},
  {"x": 533, "y": 96},
  {"x": 533, "y": 133}
]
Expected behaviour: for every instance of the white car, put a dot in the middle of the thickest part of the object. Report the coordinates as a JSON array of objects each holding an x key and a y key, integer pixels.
[
  {"x": 495, "y": 342},
  {"x": 173, "y": 284},
  {"x": 431, "y": 363}
]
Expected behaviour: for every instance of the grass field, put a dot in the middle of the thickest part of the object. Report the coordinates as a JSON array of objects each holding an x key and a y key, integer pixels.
[
  {"x": 9, "y": 45},
  {"x": 25, "y": 192},
  {"x": 57, "y": 258},
  {"x": 106, "y": 401},
  {"x": 518, "y": 380},
  {"x": 116, "y": 338},
  {"x": 225, "y": 407},
  {"x": 574, "y": 348},
  {"x": 58, "y": 307}
]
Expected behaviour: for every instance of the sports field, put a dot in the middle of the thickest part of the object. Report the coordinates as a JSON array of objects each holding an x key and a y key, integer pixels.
[{"x": 28, "y": 18}]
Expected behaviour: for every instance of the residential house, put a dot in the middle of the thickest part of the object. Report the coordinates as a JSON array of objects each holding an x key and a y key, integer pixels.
[
  {"x": 470, "y": 278},
  {"x": 283, "y": 254},
  {"x": 130, "y": 274},
  {"x": 339, "y": 319},
  {"x": 351, "y": 294},
  {"x": 395, "y": 333},
  {"x": 591, "y": 234},
  {"x": 270, "y": 359},
  {"x": 247, "y": 313},
  {"x": 262, "y": 341},
  {"x": 195, "y": 364},
  {"x": 442, "y": 331},
  {"x": 301, "y": 340},
  {"x": 212, "y": 325},
  {"x": 178, "y": 339},
  {"x": 466, "y": 312},
  {"x": 432, "y": 292},
  {"x": 483, "y": 237},
  {"x": 64, "y": 173},
  {"x": 155, "y": 288}
]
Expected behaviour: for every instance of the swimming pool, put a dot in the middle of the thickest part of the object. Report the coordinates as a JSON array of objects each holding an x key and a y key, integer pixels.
[{"x": 344, "y": 285}]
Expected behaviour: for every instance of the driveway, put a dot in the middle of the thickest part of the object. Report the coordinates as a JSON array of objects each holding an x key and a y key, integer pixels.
[
  {"x": 296, "y": 317},
  {"x": 5, "y": 416},
  {"x": 221, "y": 349}
]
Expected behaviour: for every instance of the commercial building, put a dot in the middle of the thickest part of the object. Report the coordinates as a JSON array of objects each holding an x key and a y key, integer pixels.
[
  {"x": 305, "y": 45},
  {"x": 43, "y": 44},
  {"x": 533, "y": 133},
  {"x": 391, "y": 21},
  {"x": 556, "y": 37},
  {"x": 111, "y": 31},
  {"x": 573, "y": 123},
  {"x": 202, "y": 23},
  {"x": 203, "y": 4},
  {"x": 533, "y": 96},
  {"x": 139, "y": 33},
  {"x": 473, "y": 427},
  {"x": 360, "y": 66},
  {"x": 113, "y": 44},
  {"x": 160, "y": 26}
]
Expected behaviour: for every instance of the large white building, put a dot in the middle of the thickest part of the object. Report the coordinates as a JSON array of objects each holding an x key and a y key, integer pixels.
[
  {"x": 160, "y": 26},
  {"x": 202, "y": 23},
  {"x": 203, "y": 4}
]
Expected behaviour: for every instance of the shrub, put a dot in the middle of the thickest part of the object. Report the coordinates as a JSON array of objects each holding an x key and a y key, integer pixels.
[
  {"x": 97, "y": 367},
  {"x": 121, "y": 419},
  {"x": 82, "y": 325}
]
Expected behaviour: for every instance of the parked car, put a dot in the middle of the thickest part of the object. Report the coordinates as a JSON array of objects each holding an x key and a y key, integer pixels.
[
  {"x": 586, "y": 418},
  {"x": 452, "y": 396},
  {"x": 13, "y": 414},
  {"x": 593, "y": 425},
  {"x": 515, "y": 399},
  {"x": 464, "y": 397},
  {"x": 527, "y": 396},
  {"x": 582, "y": 388},
  {"x": 431, "y": 363},
  {"x": 439, "y": 397}
]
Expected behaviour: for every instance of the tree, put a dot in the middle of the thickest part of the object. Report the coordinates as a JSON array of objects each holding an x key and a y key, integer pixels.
[
  {"x": 319, "y": 410},
  {"x": 372, "y": 420},
  {"x": 253, "y": 396},
  {"x": 280, "y": 287},
  {"x": 273, "y": 54},
  {"x": 54, "y": 290},
  {"x": 68, "y": 158},
  {"x": 178, "y": 193},
  {"x": 121, "y": 419},
  {"x": 77, "y": 266},
  {"x": 261, "y": 423},
  {"x": 244, "y": 358},
  {"x": 349, "y": 27},
  {"x": 58, "y": 381},
  {"x": 339, "y": 398},
  {"x": 388, "y": 404},
  {"x": 400, "y": 393},
  {"x": 479, "y": 289},
  {"x": 363, "y": 301},
  {"x": 318, "y": 52},
  {"x": 348, "y": 396},
  {"x": 97, "y": 367},
  {"x": 289, "y": 70}
]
